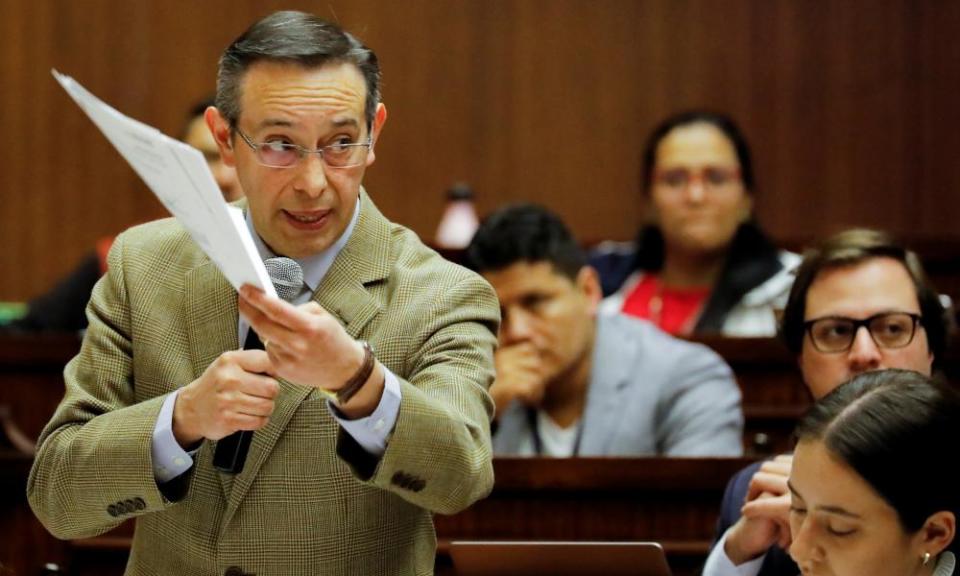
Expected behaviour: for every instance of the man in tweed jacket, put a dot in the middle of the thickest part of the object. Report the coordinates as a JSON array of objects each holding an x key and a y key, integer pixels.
[{"x": 341, "y": 486}]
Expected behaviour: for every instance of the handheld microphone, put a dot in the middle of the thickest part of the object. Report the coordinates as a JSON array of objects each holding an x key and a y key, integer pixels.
[{"x": 287, "y": 277}]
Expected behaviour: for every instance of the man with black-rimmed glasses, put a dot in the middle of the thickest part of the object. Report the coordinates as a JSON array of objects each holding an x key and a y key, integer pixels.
[{"x": 860, "y": 302}]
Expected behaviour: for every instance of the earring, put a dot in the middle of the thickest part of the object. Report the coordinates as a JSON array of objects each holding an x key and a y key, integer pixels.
[{"x": 926, "y": 558}]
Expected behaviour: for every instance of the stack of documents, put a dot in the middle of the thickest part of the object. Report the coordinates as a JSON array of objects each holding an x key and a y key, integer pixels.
[{"x": 178, "y": 174}]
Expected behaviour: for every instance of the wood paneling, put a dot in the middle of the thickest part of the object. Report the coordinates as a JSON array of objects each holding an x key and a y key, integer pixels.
[
  {"x": 850, "y": 107},
  {"x": 671, "y": 501}
]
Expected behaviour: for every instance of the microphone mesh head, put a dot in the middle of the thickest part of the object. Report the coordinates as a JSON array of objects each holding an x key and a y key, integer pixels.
[{"x": 286, "y": 275}]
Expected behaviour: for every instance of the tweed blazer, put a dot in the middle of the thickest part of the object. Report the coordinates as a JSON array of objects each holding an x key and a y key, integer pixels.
[
  {"x": 309, "y": 501},
  {"x": 649, "y": 394}
]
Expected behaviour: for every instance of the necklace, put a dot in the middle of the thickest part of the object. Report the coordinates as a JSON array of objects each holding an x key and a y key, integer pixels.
[
  {"x": 655, "y": 305},
  {"x": 680, "y": 302}
]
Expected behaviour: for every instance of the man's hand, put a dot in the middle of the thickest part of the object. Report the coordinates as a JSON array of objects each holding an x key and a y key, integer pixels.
[
  {"x": 520, "y": 376},
  {"x": 765, "y": 519},
  {"x": 308, "y": 346},
  {"x": 234, "y": 393}
]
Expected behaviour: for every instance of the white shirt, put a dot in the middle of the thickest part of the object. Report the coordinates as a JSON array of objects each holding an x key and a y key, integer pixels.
[
  {"x": 719, "y": 564},
  {"x": 555, "y": 440}
]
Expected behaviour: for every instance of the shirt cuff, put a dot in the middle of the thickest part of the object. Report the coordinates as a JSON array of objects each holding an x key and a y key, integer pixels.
[
  {"x": 372, "y": 432},
  {"x": 719, "y": 564},
  {"x": 169, "y": 459}
]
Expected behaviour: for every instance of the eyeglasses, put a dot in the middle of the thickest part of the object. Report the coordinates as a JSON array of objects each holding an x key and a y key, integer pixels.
[
  {"x": 710, "y": 177},
  {"x": 280, "y": 154},
  {"x": 888, "y": 330}
]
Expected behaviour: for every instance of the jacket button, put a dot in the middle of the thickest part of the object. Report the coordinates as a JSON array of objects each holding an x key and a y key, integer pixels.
[
  {"x": 408, "y": 481},
  {"x": 139, "y": 504},
  {"x": 234, "y": 571},
  {"x": 112, "y": 510}
]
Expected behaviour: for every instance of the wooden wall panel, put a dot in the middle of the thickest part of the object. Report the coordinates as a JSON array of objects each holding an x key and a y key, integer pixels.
[{"x": 850, "y": 106}]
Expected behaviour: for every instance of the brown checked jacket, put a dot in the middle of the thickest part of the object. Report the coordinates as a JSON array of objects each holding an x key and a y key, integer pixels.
[{"x": 309, "y": 501}]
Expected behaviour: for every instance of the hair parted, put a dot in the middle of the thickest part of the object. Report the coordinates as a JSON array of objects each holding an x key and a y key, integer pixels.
[
  {"x": 893, "y": 427},
  {"x": 719, "y": 121},
  {"x": 856, "y": 246},
  {"x": 525, "y": 233},
  {"x": 299, "y": 38}
]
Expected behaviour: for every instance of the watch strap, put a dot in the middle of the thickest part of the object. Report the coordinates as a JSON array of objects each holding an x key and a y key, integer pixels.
[{"x": 356, "y": 382}]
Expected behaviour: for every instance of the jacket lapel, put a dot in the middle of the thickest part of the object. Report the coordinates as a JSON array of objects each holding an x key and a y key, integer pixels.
[
  {"x": 362, "y": 261},
  {"x": 211, "y": 315},
  {"x": 211, "y": 325},
  {"x": 236, "y": 486},
  {"x": 609, "y": 379}
]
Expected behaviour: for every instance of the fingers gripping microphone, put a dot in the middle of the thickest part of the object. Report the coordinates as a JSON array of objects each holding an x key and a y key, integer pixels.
[{"x": 287, "y": 278}]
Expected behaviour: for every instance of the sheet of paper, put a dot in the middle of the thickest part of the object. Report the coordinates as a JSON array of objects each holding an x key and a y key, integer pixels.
[{"x": 179, "y": 176}]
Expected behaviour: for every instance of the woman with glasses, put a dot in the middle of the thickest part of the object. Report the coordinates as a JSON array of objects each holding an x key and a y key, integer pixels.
[
  {"x": 870, "y": 491},
  {"x": 702, "y": 264}
]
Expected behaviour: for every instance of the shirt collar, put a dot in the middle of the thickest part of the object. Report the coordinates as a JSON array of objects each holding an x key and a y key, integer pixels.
[{"x": 314, "y": 267}]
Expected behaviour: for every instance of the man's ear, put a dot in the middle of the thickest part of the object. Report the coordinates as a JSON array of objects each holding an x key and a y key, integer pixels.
[
  {"x": 379, "y": 119},
  {"x": 588, "y": 282},
  {"x": 746, "y": 207},
  {"x": 937, "y": 533},
  {"x": 222, "y": 135}
]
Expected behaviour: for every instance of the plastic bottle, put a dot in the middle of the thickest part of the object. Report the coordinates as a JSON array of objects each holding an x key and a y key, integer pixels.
[{"x": 459, "y": 221}]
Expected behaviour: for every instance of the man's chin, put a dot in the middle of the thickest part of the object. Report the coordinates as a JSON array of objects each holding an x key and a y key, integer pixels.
[{"x": 298, "y": 244}]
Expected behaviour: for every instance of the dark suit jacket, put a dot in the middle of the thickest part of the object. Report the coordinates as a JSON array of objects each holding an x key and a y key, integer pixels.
[{"x": 777, "y": 562}]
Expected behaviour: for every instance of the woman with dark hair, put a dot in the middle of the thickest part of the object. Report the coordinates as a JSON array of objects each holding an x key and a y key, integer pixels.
[
  {"x": 702, "y": 264},
  {"x": 869, "y": 494}
]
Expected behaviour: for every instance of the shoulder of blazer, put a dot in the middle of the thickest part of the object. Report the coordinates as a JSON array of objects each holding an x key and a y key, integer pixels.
[{"x": 163, "y": 240}]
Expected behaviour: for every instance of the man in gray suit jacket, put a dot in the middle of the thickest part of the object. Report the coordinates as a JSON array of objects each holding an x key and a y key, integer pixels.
[{"x": 572, "y": 382}]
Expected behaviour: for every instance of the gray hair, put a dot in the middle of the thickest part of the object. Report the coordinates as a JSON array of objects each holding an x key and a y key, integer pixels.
[{"x": 299, "y": 38}]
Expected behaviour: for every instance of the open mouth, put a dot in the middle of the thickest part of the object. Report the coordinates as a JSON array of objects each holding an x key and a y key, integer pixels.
[{"x": 310, "y": 220}]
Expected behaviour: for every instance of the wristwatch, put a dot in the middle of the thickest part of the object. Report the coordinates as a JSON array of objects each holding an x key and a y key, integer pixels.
[{"x": 355, "y": 383}]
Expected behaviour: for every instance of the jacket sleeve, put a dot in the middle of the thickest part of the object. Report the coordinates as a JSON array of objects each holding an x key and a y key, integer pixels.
[
  {"x": 700, "y": 412},
  {"x": 439, "y": 456},
  {"x": 93, "y": 465}
]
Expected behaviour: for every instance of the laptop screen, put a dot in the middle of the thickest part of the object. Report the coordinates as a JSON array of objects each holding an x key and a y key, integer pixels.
[{"x": 491, "y": 558}]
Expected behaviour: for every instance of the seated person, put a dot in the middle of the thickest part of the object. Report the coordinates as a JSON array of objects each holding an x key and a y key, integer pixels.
[
  {"x": 571, "y": 382},
  {"x": 860, "y": 302},
  {"x": 702, "y": 264},
  {"x": 866, "y": 494},
  {"x": 63, "y": 308}
]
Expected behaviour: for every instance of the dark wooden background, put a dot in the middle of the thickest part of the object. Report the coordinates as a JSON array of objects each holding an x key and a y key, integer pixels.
[{"x": 851, "y": 107}]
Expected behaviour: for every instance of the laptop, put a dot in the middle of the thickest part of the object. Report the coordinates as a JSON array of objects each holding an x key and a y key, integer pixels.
[{"x": 493, "y": 558}]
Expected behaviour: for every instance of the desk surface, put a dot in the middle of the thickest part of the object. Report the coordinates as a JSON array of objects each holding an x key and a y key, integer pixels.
[{"x": 673, "y": 501}]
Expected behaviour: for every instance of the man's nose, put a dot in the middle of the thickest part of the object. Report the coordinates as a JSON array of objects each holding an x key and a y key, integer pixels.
[
  {"x": 696, "y": 191},
  {"x": 863, "y": 354},
  {"x": 517, "y": 327},
  {"x": 312, "y": 176}
]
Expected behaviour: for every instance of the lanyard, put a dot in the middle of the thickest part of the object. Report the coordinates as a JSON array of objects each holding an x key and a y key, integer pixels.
[{"x": 538, "y": 443}]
